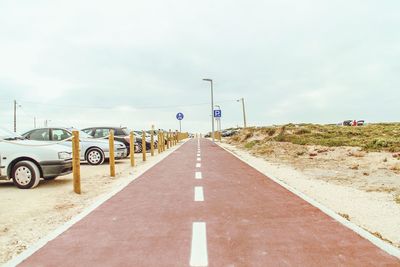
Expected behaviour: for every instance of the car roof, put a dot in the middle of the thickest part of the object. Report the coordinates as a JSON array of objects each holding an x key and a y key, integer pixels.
[{"x": 122, "y": 127}]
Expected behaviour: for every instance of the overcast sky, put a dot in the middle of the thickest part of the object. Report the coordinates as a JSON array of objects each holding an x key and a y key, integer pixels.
[{"x": 137, "y": 63}]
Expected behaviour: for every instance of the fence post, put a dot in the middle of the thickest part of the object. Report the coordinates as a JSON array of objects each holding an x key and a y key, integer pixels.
[
  {"x": 152, "y": 143},
  {"x": 112, "y": 156},
  {"x": 158, "y": 142},
  {"x": 76, "y": 162},
  {"x": 132, "y": 148},
  {"x": 167, "y": 140},
  {"x": 163, "y": 141},
  {"x": 144, "y": 145}
]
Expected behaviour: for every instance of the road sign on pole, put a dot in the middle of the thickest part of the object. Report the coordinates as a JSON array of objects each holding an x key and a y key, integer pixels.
[
  {"x": 180, "y": 117},
  {"x": 217, "y": 113}
]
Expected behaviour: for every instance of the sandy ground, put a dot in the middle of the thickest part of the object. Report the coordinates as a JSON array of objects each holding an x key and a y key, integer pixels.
[
  {"x": 362, "y": 187},
  {"x": 28, "y": 215}
]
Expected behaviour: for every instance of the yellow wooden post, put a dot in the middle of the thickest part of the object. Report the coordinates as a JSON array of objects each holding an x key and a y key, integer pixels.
[
  {"x": 112, "y": 156},
  {"x": 170, "y": 138},
  {"x": 158, "y": 142},
  {"x": 163, "y": 141},
  {"x": 132, "y": 148},
  {"x": 167, "y": 140},
  {"x": 176, "y": 137},
  {"x": 144, "y": 145},
  {"x": 76, "y": 162},
  {"x": 152, "y": 143}
]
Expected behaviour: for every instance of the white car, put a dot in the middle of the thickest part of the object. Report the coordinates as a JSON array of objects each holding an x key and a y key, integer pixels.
[
  {"x": 26, "y": 161},
  {"x": 94, "y": 151}
]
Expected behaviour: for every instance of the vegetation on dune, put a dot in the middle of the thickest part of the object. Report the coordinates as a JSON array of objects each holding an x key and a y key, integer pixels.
[{"x": 371, "y": 137}]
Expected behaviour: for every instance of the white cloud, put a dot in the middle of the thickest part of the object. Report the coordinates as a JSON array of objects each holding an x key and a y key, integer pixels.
[{"x": 306, "y": 60}]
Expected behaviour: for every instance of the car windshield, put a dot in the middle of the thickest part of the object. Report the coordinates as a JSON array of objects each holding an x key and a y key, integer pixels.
[{"x": 8, "y": 135}]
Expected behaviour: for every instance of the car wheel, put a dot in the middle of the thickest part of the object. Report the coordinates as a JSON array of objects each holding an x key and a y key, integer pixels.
[
  {"x": 25, "y": 174},
  {"x": 50, "y": 178},
  {"x": 94, "y": 156},
  {"x": 138, "y": 148}
]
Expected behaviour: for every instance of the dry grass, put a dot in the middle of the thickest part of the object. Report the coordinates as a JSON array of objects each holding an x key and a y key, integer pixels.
[
  {"x": 397, "y": 199},
  {"x": 344, "y": 215},
  {"x": 372, "y": 137},
  {"x": 395, "y": 167},
  {"x": 378, "y": 235}
]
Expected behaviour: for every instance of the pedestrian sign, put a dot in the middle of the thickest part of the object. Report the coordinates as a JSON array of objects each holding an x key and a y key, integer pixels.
[{"x": 179, "y": 116}]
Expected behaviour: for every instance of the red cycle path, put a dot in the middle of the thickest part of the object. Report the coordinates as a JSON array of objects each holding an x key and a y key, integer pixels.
[{"x": 251, "y": 221}]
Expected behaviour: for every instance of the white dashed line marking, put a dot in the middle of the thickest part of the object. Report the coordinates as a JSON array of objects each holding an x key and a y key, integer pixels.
[
  {"x": 198, "y": 193},
  {"x": 198, "y": 159},
  {"x": 198, "y": 175},
  {"x": 198, "y": 254},
  {"x": 198, "y": 155},
  {"x": 198, "y": 165}
]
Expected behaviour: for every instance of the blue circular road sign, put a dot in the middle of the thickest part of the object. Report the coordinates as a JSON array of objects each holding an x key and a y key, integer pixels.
[{"x": 179, "y": 116}]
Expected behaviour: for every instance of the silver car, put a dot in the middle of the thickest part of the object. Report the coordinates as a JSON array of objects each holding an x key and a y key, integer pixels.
[{"x": 94, "y": 151}]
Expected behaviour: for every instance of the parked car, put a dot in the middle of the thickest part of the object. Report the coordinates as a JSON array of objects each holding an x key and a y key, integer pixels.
[
  {"x": 229, "y": 132},
  {"x": 347, "y": 122},
  {"x": 139, "y": 134},
  {"x": 94, "y": 151},
  {"x": 25, "y": 161},
  {"x": 121, "y": 134},
  {"x": 360, "y": 122}
]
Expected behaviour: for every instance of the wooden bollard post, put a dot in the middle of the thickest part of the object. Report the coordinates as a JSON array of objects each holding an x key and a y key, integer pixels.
[
  {"x": 167, "y": 140},
  {"x": 176, "y": 137},
  {"x": 170, "y": 139},
  {"x": 132, "y": 148},
  {"x": 76, "y": 162},
  {"x": 144, "y": 145},
  {"x": 158, "y": 142},
  {"x": 163, "y": 141},
  {"x": 112, "y": 156},
  {"x": 152, "y": 143}
]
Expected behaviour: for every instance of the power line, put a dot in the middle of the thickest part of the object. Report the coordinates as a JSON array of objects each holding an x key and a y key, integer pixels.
[{"x": 112, "y": 107}]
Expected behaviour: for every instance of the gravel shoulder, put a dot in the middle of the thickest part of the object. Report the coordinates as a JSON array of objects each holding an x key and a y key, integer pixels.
[{"x": 361, "y": 187}]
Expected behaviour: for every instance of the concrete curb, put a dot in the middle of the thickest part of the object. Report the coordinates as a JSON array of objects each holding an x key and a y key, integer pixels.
[{"x": 362, "y": 232}]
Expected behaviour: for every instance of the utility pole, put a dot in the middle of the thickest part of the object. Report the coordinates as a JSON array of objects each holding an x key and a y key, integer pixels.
[
  {"x": 15, "y": 116},
  {"x": 212, "y": 108},
  {"x": 34, "y": 122},
  {"x": 244, "y": 112}
]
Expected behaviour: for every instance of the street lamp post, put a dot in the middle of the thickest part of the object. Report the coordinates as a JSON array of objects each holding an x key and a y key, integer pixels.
[
  {"x": 212, "y": 108},
  {"x": 244, "y": 112}
]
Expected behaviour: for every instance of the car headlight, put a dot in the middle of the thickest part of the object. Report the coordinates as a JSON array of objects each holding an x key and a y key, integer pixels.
[{"x": 64, "y": 155}]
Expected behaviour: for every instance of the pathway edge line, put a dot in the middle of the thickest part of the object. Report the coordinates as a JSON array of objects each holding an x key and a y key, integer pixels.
[
  {"x": 18, "y": 259},
  {"x": 392, "y": 250}
]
